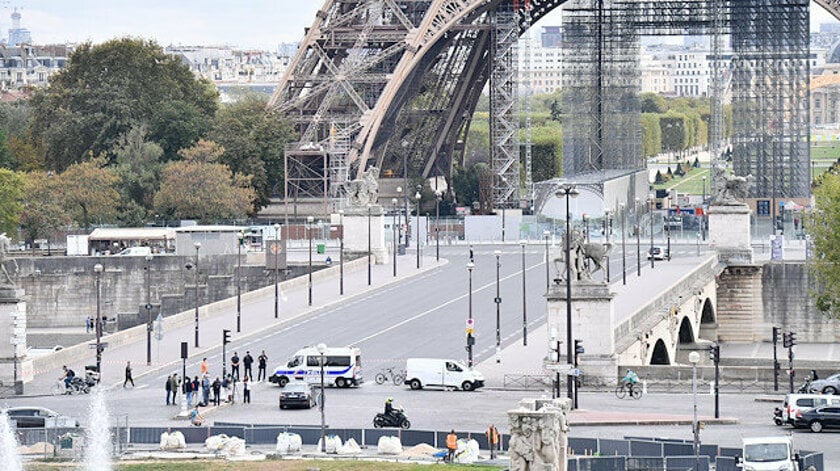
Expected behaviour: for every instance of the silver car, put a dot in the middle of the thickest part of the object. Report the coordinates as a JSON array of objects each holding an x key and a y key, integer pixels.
[{"x": 830, "y": 385}]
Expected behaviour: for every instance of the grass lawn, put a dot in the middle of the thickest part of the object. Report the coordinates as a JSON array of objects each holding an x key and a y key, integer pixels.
[
  {"x": 269, "y": 465},
  {"x": 826, "y": 152},
  {"x": 691, "y": 183}
]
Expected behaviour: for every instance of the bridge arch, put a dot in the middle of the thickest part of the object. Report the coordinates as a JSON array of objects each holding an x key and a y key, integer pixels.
[
  {"x": 708, "y": 315},
  {"x": 660, "y": 354},
  {"x": 686, "y": 334}
]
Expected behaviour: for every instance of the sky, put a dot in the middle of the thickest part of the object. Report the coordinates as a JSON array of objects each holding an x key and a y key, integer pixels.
[{"x": 242, "y": 23}]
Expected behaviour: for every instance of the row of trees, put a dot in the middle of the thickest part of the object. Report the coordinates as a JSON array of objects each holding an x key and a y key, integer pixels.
[{"x": 126, "y": 132}]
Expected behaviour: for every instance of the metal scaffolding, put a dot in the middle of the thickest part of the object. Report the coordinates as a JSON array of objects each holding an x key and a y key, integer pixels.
[
  {"x": 504, "y": 119},
  {"x": 525, "y": 87}
]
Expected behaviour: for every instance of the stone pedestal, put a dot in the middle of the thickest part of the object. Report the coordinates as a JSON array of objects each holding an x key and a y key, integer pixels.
[
  {"x": 593, "y": 322},
  {"x": 356, "y": 222},
  {"x": 729, "y": 233},
  {"x": 13, "y": 337},
  {"x": 539, "y": 435}
]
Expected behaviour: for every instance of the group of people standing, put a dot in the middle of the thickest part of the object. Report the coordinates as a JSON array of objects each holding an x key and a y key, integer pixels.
[{"x": 198, "y": 389}]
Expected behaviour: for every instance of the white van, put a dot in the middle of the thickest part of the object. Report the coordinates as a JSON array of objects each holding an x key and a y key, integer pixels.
[
  {"x": 342, "y": 367},
  {"x": 436, "y": 372},
  {"x": 768, "y": 453},
  {"x": 796, "y": 404},
  {"x": 136, "y": 252}
]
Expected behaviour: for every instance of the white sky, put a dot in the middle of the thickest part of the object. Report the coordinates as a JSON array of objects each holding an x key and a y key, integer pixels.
[{"x": 242, "y": 23}]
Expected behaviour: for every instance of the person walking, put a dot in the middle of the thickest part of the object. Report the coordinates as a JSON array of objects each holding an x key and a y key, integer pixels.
[
  {"x": 217, "y": 386},
  {"x": 262, "y": 360},
  {"x": 492, "y": 440},
  {"x": 128, "y": 375},
  {"x": 188, "y": 390},
  {"x": 173, "y": 385},
  {"x": 246, "y": 391},
  {"x": 234, "y": 366},
  {"x": 451, "y": 446},
  {"x": 226, "y": 388},
  {"x": 196, "y": 387},
  {"x": 88, "y": 325},
  {"x": 168, "y": 388},
  {"x": 248, "y": 361},
  {"x": 205, "y": 391},
  {"x": 203, "y": 366}
]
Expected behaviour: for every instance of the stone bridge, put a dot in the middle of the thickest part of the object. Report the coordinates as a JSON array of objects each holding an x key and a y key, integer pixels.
[{"x": 655, "y": 319}]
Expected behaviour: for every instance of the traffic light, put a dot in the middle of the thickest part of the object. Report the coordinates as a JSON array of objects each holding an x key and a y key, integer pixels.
[
  {"x": 776, "y": 332},
  {"x": 579, "y": 347},
  {"x": 786, "y": 340},
  {"x": 714, "y": 353},
  {"x": 791, "y": 339},
  {"x": 225, "y": 336}
]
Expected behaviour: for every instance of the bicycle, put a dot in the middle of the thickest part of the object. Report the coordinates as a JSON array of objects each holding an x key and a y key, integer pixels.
[
  {"x": 392, "y": 374},
  {"x": 624, "y": 388}
]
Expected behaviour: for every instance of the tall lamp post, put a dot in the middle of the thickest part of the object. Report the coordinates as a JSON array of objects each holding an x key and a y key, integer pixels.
[
  {"x": 97, "y": 271},
  {"x": 438, "y": 197},
  {"x": 470, "y": 340},
  {"x": 703, "y": 206},
  {"x": 607, "y": 230},
  {"x": 585, "y": 218},
  {"x": 394, "y": 202},
  {"x": 418, "y": 197},
  {"x": 322, "y": 349},
  {"x": 148, "y": 307},
  {"x": 341, "y": 253},
  {"x": 239, "y": 281},
  {"x": 547, "y": 272},
  {"x": 623, "y": 244},
  {"x": 524, "y": 305},
  {"x": 693, "y": 358},
  {"x": 370, "y": 252},
  {"x": 197, "y": 246},
  {"x": 568, "y": 191},
  {"x": 398, "y": 214},
  {"x": 309, "y": 220},
  {"x": 498, "y": 301},
  {"x": 276, "y": 270},
  {"x": 650, "y": 212},
  {"x": 638, "y": 228}
]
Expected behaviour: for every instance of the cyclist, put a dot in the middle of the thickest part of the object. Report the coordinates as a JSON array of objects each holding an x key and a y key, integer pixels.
[
  {"x": 68, "y": 376},
  {"x": 630, "y": 379}
]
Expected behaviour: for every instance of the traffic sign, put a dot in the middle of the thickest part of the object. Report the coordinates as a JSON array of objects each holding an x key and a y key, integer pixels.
[
  {"x": 470, "y": 326},
  {"x": 103, "y": 345},
  {"x": 497, "y": 300},
  {"x": 562, "y": 368}
]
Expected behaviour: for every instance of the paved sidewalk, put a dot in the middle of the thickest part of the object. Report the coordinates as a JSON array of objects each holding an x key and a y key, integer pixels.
[{"x": 257, "y": 317}]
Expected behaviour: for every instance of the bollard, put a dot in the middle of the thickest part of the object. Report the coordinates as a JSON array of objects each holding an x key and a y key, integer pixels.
[{"x": 644, "y": 387}]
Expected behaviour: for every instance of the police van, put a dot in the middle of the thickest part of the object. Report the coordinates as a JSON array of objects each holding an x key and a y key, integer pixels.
[{"x": 342, "y": 367}]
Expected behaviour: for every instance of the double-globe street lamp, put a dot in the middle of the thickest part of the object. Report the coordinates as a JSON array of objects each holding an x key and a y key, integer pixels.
[
  {"x": 97, "y": 272},
  {"x": 370, "y": 252},
  {"x": 547, "y": 271},
  {"x": 524, "y": 305},
  {"x": 622, "y": 208},
  {"x": 394, "y": 202},
  {"x": 498, "y": 301},
  {"x": 703, "y": 208},
  {"x": 418, "y": 197},
  {"x": 651, "y": 202},
  {"x": 568, "y": 191},
  {"x": 470, "y": 339},
  {"x": 148, "y": 308},
  {"x": 438, "y": 197},
  {"x": 276, "y": 249},
  {"x": 240, "y": 239},
  {"x": 341, "y": 252},
  {"x": 638, "y": 228},
  {"x": 197, "y": 246},
  {"x": 309, "y": 220}
]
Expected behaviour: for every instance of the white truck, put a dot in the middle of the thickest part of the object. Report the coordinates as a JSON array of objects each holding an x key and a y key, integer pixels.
[
  {"x": 768, "y": 453},
  {"x": 436, "y": 372}
]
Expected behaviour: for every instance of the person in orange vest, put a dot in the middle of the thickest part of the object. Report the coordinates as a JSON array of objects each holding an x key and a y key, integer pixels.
[
  {"x": 492, "y": 440},
  {"x": 451, "y": 445}
]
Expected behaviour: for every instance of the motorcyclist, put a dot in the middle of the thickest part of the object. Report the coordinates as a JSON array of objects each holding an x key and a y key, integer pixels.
[
  {"x": 630, "y": 378},
  {"x": 389, "y": 407},
  {"x": 814, "y": 376},
  {"x": 68, "y": 376}
]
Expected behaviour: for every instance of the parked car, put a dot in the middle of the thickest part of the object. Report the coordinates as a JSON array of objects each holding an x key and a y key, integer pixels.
[
  {"x": 298, "y": 394},
  {"x": 39, "y": 417},
  {"x": 830, "y": 385},
  {"x": 819, "y": 418},
  {"x": 796, "y": 404},
  {"x": 657, "y": 253}
]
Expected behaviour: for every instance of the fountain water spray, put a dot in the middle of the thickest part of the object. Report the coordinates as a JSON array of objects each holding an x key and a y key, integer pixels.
[
  {"x": 98, "y": 446},
  {"x": 9, "y": 454}
]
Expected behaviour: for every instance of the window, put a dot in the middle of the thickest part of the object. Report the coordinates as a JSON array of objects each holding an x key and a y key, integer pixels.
[
  {"x": 451, "y": 366},
  {"x": 296, "y": 361}
]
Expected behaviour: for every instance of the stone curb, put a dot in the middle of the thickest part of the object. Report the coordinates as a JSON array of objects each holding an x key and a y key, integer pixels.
[{"x": 675, "y": 421}]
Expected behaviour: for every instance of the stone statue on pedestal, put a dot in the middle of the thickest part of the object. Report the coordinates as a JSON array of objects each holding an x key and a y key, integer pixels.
[
  {"x": 5, "y": 243},
  {"x": 365, "y": 190},
  {"x": 729, "y": 188},
  {"x": 585, "y": 258},
  {"x": 538, "y": 435}
]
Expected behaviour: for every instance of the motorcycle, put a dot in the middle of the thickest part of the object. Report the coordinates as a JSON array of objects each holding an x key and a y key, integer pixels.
[
  {"x": 396, "y": 419},
  {"x": 777, "y": 416},
  {"x": 806, "y": 386},
  {"x": 83, "y": 385}
]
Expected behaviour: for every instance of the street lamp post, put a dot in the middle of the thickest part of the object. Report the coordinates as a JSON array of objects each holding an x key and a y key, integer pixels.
[
  {"x": 370, "y": 252},
  {"x": 623, "y": 245},
  {"x": 568, "y": 191},
  {"x": 341, "y": 253},
  {"x": 638, "y": 228},
  {"x": 276, "y": 270},
  {"x": 585, "y": 227},
  {"x": 197, "y": 246},
  {"x": 524, "y": 306},
  {"x": 547, "y": 273},
  {"x": 97, "y": 271},
  {"x": 693, "y": 358},
  {"x": 418, "y": 197},
  {"x": 470, "y": 340},
  {"x": 239, "y": 282},
  {"x": 309, "y": 220},
  {"x": 394, "y": 202},
  {"x": 668, "y": 233},
  {"x": 322, "y": 349},
  {"x": 148, "y": 310},
  {"x": 607, "y": 229},
  {"x": 650, "y": 212},
  {"x": 438, "y": 197},
  {"x": 498, "y": 301},
  {"x": 397, "y": 211},
  {"x": 703, "y": 207}
]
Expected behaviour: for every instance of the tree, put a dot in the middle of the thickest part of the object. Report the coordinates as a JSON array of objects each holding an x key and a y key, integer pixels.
[
  {"x": 88, "y": 192},
  {"x": 11, "y": 192},
  {"x": 137, "y": 163},
  {"x": 199, "y": 188},
  {"x": 824, "y": 226},
  {"x": 653, "y": 103},
  {"x": 546, "y": 152},
  {"x": 42, "y": 213},
  {"x": 110, "y": 88}
]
